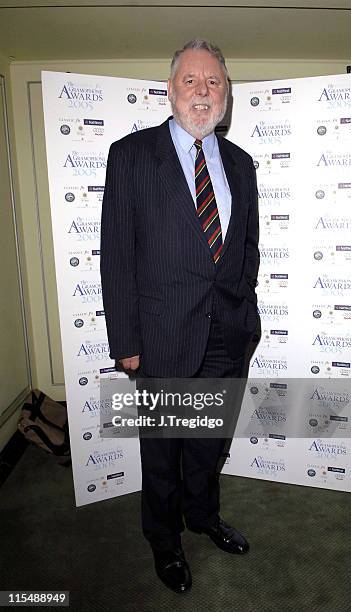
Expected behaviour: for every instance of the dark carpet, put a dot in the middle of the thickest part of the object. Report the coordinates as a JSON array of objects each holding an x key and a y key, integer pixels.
[{"x": 299, "y": 558}]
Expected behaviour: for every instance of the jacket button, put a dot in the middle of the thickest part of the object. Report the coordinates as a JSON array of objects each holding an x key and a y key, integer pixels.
[{"x": 209, "y": 315}]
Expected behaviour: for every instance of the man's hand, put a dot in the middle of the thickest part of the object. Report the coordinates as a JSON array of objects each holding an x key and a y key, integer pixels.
[{"x": 130, "y": 363}]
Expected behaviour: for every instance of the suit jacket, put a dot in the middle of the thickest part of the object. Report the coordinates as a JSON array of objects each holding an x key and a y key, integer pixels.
[{"x": 159, "y": 282}]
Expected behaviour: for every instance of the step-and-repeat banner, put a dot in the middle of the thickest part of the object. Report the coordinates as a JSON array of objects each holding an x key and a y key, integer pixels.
[
  {"x": 83, "y": 115},
  {"x": 294, "y": 423}
]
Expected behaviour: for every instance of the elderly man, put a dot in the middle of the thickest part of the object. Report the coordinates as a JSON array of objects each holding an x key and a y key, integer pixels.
[{"x": 179, "y": 262}]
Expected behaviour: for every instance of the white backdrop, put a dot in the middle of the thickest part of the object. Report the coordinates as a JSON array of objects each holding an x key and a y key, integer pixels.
[
  {"x": 299, "y": 134},
  {"x": 295, "y": 423},
  {"x": 83, "y": 115}
]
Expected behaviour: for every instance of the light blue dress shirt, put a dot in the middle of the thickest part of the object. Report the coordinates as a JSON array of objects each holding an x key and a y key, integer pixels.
[{"x": 186, "y": 151}]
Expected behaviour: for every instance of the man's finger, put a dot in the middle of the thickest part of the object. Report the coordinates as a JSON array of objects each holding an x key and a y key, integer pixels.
[{"x": 130, "y": 363}]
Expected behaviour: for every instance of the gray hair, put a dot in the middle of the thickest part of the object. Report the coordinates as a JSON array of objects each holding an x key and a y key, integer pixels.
[{"x": 198, "y": 43}]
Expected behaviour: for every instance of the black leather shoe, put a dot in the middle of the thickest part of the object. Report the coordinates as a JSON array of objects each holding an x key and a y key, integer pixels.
[
  {"x": 172, "y": 568},
  {"x": 226, "y": 538}
]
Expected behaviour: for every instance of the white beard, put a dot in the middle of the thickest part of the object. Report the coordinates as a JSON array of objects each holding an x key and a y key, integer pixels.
[{"x": 198, "y": 131}]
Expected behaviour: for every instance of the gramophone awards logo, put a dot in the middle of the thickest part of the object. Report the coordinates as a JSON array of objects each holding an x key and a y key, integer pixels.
[
  {"x": 87, "y": 292},
  {"x": 89, "y": 351},
  {"x": 334, "y": 159},
  {"x": 139, "y": 124},
  {"x": 273, "y": 312},
  {"x": 274, "y": 255},
  {"x": 268, "y": 419},
  {"x": 327, "y": 343},
  {"x": 95, "y": 406},
  {"x": 75, "y": 96},
  {"x": 275, "y": 197},
  {"x": 85, "y": 164},
  {"x": 334, "y": 97},
  {"x": 262, "y": 365},
  {"x": 267, "y": 408},
  {"x": 105, "y": 459},
  {"x": 328, "y": 285},
  {"x": 267, "y": 467},
  {"x": 84, "y": 229},
  {"x": 328, "y": 408},
  {"x": 271, "y": 132},
  {"x": 327, "y": 224}
]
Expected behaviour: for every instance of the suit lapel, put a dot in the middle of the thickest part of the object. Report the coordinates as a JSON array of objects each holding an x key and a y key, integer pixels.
[{"x": 173, "y": 178}]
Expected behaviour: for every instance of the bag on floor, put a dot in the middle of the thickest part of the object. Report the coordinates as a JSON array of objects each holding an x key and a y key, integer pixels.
[{"x": 44, "y": 422}]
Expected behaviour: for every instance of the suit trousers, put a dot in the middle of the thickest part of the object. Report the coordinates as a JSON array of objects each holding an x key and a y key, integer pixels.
[{"x": 180, "y": 477}]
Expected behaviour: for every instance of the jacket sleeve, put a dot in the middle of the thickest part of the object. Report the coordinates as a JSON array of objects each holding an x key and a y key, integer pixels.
[
  {"x": 252, "y": 255},
  {"x": 117, "y": 265}
]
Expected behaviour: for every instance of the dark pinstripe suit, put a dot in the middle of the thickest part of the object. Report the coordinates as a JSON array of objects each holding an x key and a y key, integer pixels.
[
  {"x": 158, "y": 278},
  {"x": 160, "y": 289}
]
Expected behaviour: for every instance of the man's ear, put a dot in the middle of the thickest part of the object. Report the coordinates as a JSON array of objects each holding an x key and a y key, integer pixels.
[{"x": 170, "y": 89}]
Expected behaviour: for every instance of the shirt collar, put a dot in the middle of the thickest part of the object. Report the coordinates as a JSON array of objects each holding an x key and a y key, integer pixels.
[{"x": 186, "y": 140}]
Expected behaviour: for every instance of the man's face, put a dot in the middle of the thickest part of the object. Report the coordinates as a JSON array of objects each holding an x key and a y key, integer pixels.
[{"x": 198, "y": 92}]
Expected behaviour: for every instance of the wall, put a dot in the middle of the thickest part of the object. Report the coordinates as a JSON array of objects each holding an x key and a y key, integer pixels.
[
  {"x": 41, "y": 296},
  {"x": 14, "y": 370}
]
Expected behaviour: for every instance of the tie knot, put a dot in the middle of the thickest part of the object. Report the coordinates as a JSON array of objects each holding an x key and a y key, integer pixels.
[{"x": 198, "y": 144}]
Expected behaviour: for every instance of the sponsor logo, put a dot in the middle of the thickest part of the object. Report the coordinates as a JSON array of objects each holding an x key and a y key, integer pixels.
[
  {"x": 131, "y": 98},
  {"x": 65, "y": 129}
]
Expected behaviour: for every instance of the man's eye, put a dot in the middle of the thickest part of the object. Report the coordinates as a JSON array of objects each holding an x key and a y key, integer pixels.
[
  {"x": 213, "y": 82},
  {"x": 190, "y": 81}
]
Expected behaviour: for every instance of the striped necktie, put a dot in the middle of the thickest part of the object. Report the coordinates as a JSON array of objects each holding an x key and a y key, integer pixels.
[{"x": 206, "y": 204}]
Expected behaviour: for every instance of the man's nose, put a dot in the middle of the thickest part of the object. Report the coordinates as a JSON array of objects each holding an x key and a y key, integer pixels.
[{"x": 201, "y": 87}]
